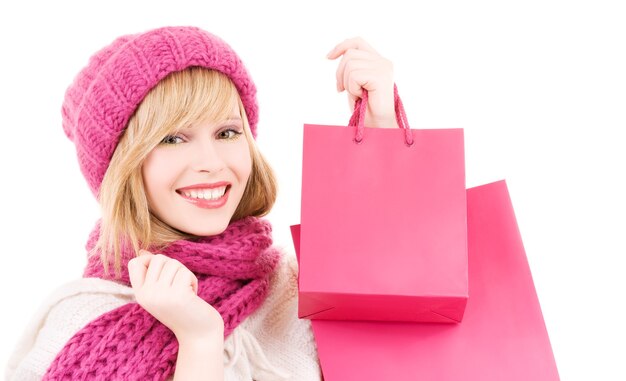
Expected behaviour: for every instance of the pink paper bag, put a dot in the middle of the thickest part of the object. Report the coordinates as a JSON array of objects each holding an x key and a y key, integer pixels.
[
  {"x": 502, "y": 336},
  {"x": 391, "y": 204}
]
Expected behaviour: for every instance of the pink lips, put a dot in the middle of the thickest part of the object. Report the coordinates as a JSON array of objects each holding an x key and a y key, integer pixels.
[
  {"x": 205, "y": 186},
  {"x": 207, "y": 204}
]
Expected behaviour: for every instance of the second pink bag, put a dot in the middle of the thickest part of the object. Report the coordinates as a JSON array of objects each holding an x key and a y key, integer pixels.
[
  {"x": 383, "y": 222},
  {"x": 502, "y": 337}
]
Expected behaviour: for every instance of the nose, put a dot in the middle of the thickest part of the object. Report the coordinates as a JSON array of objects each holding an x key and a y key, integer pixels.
[{"x": 207, "y": 156}]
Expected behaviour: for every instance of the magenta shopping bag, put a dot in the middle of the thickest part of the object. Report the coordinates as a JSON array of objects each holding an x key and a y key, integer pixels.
[
  {"x": 502, "y": 336},
  {"x": 383, "y": 223}
]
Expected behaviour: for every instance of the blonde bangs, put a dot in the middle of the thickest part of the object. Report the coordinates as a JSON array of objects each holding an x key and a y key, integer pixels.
[{"x": 186, "y": 97}]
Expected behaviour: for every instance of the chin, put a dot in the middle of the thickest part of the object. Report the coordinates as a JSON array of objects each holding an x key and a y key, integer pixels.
[{"x": 208, "y": 231}]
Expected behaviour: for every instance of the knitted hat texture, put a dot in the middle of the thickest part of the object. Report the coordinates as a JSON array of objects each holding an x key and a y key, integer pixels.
[{"x": 106, "y": 93}]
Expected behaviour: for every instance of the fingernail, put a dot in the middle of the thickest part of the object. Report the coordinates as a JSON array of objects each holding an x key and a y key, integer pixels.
[{"x": 330, "y": 53}]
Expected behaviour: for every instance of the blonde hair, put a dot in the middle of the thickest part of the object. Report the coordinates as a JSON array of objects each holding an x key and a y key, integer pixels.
[{"x": 177, "y": 101}]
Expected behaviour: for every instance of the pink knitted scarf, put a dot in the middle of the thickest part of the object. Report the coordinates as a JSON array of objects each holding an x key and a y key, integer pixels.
[{"x": 127, "y": 343}]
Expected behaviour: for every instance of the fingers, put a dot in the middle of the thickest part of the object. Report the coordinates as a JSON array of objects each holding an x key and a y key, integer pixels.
[
  {"x": 351, "y": 43},
  {"x": 370, "y": 73},
  {"x": 154, "y": 269},
  {"x": 355, "y": 83},
  {"x": 363, "y": 68},
  {"x": 353, "y": 60},
  {"x": 186, "y": 279},
  {"x": 169, "y": 272},
  {"x": 175, "y": 274},
  {"x": 137, "y": 268},
  {"x": 149, "y": 269}
]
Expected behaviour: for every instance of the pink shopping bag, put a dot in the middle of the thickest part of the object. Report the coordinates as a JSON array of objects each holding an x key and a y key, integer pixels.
[
  {"x": 502, "y": 336},
  {"x": 383, "y": 223}
]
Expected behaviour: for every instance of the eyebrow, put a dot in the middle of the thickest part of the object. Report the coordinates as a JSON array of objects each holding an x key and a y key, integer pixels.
[
  {"x": 231, "y": 119},
  {"x": 234, "y": 118}
]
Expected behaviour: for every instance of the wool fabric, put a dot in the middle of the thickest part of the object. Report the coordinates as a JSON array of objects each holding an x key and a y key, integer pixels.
[
  {"x": 105, "y": 94},
  {"x": 233, "y": 270},
  {"x": 273, "y": 332}
]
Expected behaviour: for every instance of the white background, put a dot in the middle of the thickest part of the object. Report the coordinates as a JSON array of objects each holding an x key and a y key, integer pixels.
[{"x": 538, "y": 86}]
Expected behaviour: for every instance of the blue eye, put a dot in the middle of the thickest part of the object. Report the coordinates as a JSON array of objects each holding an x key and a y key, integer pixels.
[{"x": 168, "y": 139}]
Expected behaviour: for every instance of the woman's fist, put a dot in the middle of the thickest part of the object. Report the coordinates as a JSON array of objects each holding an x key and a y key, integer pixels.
[
  {"x": 168, "y": 291},
  {"x": 361, "y": 67}
]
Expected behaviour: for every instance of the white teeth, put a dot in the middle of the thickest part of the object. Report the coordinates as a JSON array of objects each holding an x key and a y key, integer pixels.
[{"x": 206, "y": 194}]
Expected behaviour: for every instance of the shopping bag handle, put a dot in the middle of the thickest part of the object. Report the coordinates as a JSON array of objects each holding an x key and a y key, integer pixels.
[{"x": 358, "y": 117}]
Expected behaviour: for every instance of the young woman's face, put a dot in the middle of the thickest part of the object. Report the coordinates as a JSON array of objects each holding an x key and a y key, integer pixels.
[{"x": 186, "y": 175}]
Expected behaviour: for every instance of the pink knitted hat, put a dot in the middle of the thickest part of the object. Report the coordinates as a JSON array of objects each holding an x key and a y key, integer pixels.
[{"x": 104, "y": 95}]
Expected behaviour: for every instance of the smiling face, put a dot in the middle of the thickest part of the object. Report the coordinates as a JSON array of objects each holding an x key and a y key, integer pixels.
[
  {"x": 190, "y": 131},
  {"x": 184, "y": 176}
]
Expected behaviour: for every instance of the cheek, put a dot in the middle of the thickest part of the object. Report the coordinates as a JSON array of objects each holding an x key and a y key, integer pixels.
[
  {"x": 246, "y": 165},
  {"x": 247, "y": 160},
  {"x": 240, "y": 160},
  {"x": 155, "y": 171}
]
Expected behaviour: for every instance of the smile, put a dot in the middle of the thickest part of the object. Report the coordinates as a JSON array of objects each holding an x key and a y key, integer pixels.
[
  {"x": 206, "y": 194},
  {"x": 206, "y": 198}
]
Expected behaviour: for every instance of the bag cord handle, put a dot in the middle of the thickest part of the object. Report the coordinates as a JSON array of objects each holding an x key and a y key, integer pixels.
[{"x": 358, "y": 117}]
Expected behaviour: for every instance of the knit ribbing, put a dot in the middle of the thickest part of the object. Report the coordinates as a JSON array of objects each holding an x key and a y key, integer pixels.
[{"x": 127, "y": 343}]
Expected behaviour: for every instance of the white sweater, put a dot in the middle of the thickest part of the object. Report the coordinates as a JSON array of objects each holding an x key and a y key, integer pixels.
[{"x": 271, "y": 344}]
